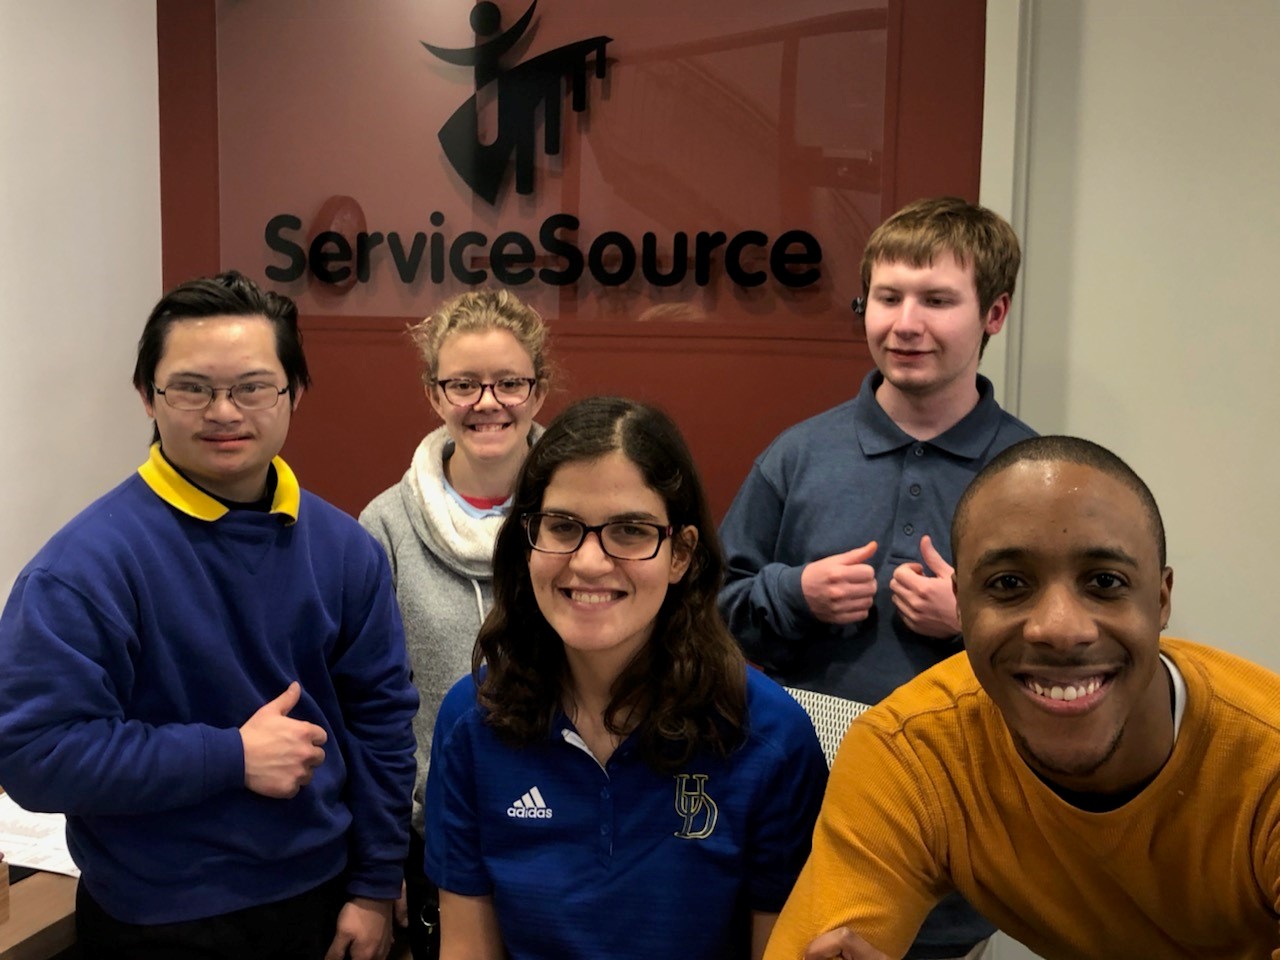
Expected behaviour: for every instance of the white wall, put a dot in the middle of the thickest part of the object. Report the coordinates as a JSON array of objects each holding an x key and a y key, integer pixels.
[
  {"x": 79, "y": 255},
  {"x": 1153, "y": 239},
  {"x": 1137, "y": 149}
]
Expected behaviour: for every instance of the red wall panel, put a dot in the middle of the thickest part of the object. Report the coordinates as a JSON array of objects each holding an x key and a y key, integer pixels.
[
  {"x": 188, "y": 101},
  {"x": 774, "y": 122}
]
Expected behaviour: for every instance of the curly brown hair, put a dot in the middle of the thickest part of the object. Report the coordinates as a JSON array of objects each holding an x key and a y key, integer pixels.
[
  {"x": 685, "y": 690},
  {"x": 477, "y": 311}
]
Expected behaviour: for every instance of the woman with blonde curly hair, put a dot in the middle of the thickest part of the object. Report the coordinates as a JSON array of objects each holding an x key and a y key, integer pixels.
[
  {"x": 613, "y": 780},
  {"x": 486, "y": 373}
]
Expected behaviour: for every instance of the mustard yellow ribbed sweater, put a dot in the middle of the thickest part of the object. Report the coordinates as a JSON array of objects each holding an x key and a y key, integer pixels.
[{"x": 927, "y": 794}]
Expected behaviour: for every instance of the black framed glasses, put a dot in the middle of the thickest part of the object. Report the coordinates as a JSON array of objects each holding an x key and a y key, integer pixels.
[
  {"x": 620, "y": 539},
  {"x": 508, "y": 391},
  {"x": 190, "y": 395}
]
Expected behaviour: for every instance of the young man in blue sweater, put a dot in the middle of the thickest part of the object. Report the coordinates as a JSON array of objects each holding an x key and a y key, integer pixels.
[
  {"x": 205, "y": 671},
  {"x": 838, "y": 543}
]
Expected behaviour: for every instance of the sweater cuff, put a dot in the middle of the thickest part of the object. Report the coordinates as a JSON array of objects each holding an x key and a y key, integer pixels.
[
  {"x": 223, "y": 760},
  {"x": 794, "y": 607},
  {"x": 376, "y": 882}
]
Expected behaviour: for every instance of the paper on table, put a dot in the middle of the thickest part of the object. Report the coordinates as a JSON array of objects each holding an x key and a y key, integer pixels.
[{"x": 36, "y": 840}]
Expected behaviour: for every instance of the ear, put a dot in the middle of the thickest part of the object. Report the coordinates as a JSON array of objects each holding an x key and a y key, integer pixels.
[
  {"x": 993, "y": 322},
  {"x": 148, "y": 405},
  {"x": 539, "y": 396},
  {"x": 1166, "y": 593},
  {"x": 297, "y": 399},
  {"x": 434, "y": 398},
  {"x": 955, "y": 592},
  {"x": 683, "y": 545}
]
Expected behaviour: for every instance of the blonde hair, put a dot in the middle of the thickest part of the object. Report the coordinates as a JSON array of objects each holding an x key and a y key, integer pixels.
[{"x": 476, "y": 312}]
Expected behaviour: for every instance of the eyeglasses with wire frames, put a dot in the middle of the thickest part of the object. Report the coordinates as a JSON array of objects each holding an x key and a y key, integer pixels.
[
  {"x": 620, "y": 539},
  {"x": 190, "y": 395},
  {"x": 467, "y": 392}
]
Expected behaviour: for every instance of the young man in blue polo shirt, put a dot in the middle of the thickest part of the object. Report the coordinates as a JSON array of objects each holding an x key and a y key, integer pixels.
[
  {"x": 205, "y": 671},
  {"x": 838, "y": 543}
]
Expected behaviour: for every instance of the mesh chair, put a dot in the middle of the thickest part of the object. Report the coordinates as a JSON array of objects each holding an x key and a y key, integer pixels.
[{"x": 830, "y": 715}]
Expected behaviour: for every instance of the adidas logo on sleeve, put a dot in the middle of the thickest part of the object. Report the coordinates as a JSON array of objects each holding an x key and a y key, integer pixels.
[{"x": 531, "y": 806}]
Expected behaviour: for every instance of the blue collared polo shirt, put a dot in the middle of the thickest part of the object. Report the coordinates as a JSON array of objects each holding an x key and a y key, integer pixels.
[
  {"x": 829, "y": 484},
  {"x": 621, "y": 861}
]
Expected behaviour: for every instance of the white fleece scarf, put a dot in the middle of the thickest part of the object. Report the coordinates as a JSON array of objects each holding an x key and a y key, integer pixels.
[
  {"x": 454, "y": 532},
  {"x": 468, "y": 539}
]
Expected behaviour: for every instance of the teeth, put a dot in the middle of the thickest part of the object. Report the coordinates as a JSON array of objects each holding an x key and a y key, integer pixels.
[
  {"x": 1068, "y": 692},
  {"x": 487, "y": 427},
  {"x": 579, "y": 597}
]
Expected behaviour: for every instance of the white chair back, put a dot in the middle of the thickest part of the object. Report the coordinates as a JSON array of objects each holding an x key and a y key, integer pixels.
[{"x": 830, "y": 715}]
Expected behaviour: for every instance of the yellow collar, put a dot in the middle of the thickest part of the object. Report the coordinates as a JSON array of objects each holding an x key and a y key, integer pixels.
[{"x": 174, "y": 489}]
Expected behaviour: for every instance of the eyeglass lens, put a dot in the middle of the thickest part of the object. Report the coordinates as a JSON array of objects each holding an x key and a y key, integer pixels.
[
  {"x": 196, "y": 396},
  {"x": 508, "y": 391},
  {"x": 622, "y": 539}
]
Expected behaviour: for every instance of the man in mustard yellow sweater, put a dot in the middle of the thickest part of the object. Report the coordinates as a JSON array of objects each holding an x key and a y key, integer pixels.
[{"x": 1094, "y": 790}]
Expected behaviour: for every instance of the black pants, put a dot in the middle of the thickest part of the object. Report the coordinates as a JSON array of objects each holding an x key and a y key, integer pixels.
[
  {"x": 300, "y": 928},
  {"x": 424, "y": 904}
]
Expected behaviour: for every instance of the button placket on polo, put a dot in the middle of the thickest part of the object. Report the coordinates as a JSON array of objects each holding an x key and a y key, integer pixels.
[
  {"x": 605, "y": 813},
  {"x": 907, "y": 516},
  {"x": 606, "y": 819}
]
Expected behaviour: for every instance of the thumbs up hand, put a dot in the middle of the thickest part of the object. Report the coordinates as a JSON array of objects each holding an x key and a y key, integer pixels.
[
  {"x": 841, "y": 588},
  {"x": 280, "y": 753},
  {"x": 927, "y": 604}
]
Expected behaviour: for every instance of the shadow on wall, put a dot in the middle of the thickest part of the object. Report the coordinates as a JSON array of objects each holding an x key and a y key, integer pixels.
[{"x": 1051, "y": 197}]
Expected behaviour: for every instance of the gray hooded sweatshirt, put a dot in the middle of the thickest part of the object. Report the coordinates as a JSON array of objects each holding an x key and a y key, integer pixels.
[{"x": 442, "y": 566}]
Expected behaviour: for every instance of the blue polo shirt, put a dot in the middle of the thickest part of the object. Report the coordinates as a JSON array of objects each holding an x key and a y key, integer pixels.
[
  {"x": 824, "y": 486},
  {"x": 619, "y": 861},
  {"x": 839, "y": 480}
]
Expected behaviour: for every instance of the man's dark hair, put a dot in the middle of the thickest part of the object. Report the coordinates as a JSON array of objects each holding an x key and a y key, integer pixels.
[
  {"x": 1060, "y": 449},
  {"x": 229, "y": 294}
]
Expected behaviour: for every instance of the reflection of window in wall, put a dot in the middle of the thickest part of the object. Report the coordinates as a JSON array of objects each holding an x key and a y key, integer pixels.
[
  {"x": 840, "y": 123},
  {"x": 771, "y": 126},
  {"x": 681, "y": 312}
]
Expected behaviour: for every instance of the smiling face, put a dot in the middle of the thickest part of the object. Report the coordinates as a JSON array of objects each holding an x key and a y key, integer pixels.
[
  {"x": 222, "y": 448},
  {"x": 1062, "y": 598},
  {"x": 604, "y": 609},
  {"x": 486, "y": 435},
  {"x": 924, "y": 327}
]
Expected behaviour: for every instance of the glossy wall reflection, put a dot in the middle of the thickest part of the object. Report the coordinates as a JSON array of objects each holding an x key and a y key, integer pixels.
[{"x": 682, "y": 190}]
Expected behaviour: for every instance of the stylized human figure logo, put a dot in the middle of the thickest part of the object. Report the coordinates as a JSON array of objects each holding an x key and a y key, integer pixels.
[
  {"x": 538, "y": 82},
  {"x": 698, "y": 809}
]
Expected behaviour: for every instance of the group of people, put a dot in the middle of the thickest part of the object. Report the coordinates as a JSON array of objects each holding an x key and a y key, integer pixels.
[{"x": 228, "y": 685}]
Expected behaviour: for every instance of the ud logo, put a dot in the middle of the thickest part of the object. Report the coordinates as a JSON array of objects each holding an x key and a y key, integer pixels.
[
  {"x": 698, "y": 809},
  {"x": 521, "y": 90}
]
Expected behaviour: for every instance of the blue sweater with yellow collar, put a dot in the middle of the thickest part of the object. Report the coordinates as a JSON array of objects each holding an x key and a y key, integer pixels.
[{"x": 138, "y": 641}]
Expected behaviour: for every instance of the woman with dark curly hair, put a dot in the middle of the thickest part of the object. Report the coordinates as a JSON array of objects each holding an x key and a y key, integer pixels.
[{"x": 613, "y": 780}]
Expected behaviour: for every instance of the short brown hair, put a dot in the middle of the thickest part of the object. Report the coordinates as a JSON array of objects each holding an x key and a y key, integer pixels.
[{"x": 917, "y": 233}]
